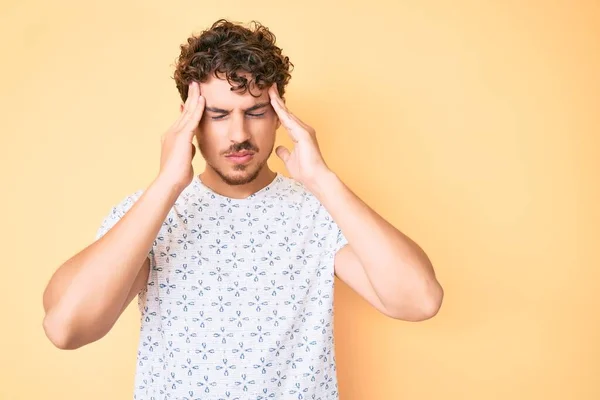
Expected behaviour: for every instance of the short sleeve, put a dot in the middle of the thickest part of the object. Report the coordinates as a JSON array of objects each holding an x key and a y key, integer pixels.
[
  {"x": 340, "y": 241},
  {"x": 335, "y": 237},
  {"x": 116, "y": 213}
]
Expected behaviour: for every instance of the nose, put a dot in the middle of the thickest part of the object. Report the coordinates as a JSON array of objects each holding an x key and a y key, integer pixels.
[{"x": 238, "y": 131}]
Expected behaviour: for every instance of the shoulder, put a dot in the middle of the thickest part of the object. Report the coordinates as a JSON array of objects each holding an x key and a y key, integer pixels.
[
  {"x": 127, "y": 201},
  {"x": 118, "y": 209},
  {"x": 123, "y": 204},
  {"x": 297, "y": 195},
  {"x": 294, "y": 191},
  {"x": 314, "y": 214}
]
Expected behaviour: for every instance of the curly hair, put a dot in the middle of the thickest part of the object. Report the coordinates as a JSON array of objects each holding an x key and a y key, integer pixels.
[{"x": 230, "y": 49}]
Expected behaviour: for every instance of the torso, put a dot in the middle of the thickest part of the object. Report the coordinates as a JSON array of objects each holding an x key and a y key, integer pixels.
[{"x": 239, "y": 299}]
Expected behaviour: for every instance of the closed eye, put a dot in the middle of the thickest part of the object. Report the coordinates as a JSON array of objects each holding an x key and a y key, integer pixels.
[
  {"x": 257, "y": 115},
  {"x": 221, "y": 116}
]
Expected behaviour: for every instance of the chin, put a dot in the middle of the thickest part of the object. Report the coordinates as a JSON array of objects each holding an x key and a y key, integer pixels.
[{"x": 239, "y": 175}]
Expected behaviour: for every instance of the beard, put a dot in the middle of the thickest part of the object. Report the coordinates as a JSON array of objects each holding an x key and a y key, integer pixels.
[
  {"x": 247, "y": 175},
  {"x": 242, "y": 174}
]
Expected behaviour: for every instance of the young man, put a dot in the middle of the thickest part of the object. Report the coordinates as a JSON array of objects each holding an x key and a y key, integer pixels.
[{"x": 234, "y": 268}]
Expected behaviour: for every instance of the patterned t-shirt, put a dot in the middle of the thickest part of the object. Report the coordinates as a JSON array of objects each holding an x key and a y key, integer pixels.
[{"x": 239, "y": 300}]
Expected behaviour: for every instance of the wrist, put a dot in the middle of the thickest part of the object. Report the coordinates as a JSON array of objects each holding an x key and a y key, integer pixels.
[
  {"x": 323, "y": 183},
  {"x": 167, "y": 186}
]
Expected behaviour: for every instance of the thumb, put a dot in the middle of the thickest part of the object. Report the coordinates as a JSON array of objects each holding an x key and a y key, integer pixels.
[{"x": 283, "y": 153}]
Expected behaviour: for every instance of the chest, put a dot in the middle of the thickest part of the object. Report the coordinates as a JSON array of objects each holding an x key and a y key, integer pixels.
[{"x": 241, "y": 254}]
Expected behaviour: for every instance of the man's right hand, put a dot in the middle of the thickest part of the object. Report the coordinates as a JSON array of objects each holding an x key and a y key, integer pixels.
[{"x": 178, "y": 148}]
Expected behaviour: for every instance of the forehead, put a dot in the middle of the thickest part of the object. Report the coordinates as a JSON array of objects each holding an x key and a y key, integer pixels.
[{"x": 218, "y": 93}]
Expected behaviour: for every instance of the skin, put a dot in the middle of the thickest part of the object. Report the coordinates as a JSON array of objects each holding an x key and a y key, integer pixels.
[
  {"x": 233, "y": 122},
  {"x": 382, "y": 264},
  {"x": 87, "y": 294}
]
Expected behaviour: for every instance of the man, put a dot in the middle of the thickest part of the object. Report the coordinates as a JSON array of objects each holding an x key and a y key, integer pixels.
[{"x": 234, "y": 268}]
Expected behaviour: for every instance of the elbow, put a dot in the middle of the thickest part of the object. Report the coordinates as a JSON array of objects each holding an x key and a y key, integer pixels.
[
  {"x": 420, "y": 306},
  {"x": 431, "y": 302},
  {"x": 59, "y": 332}
]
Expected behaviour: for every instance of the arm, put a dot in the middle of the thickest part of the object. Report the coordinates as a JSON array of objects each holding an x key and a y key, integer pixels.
[
  {"x": 88, "y": 293},
  {"x": 380, "y": 263}
]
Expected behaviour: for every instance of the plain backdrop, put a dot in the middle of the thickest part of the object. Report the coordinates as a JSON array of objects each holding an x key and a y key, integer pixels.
[{"x": 473, "y": 126}]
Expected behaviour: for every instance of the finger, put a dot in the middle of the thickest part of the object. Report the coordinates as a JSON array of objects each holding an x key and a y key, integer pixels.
[
  {"x": 283, "y": 153},
  {"x": 192, "y": 96},
  {"x": 306, "y": 127},
  {"x": 275, "y": 93},
  {"x": 294, "y": 129},
  {"x": 190, "y": 103},
  {"x": 275, "y": 98},
  {"x": 279, "y": 106},
  {"x": 194, "y": 119},
  {"x": 294, "y": 121}
]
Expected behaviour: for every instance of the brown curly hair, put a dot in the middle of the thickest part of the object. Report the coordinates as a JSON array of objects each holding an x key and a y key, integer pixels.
[{"x": 228, "y": 48}]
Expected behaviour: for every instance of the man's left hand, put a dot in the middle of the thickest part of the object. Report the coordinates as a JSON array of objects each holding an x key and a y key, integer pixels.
[{"x": 305, "y": 162}]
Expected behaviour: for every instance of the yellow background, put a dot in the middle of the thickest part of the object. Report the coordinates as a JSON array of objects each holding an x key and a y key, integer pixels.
[{"x": 471, "y": 125}]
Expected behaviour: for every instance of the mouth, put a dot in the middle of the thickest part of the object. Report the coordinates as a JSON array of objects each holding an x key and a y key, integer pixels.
[{"x": 240, "y": 157}]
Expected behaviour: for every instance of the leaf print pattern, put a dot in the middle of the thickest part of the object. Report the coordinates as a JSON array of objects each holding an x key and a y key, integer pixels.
[{"x": 239, "y": 301}]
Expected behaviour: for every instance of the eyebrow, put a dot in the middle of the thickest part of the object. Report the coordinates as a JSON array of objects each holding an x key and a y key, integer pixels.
[{"x": 253, "y": 108}]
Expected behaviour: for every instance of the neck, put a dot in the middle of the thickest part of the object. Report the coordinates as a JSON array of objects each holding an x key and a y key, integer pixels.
[{"x": 213, "y": 181}]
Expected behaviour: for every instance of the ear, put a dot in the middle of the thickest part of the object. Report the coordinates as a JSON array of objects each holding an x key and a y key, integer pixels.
[{"x": 181, "y": 107}]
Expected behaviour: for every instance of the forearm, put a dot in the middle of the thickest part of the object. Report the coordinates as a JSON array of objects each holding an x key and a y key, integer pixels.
[
  {"x": 400, "y": 272},
  {"x": 86, "y": 295}
]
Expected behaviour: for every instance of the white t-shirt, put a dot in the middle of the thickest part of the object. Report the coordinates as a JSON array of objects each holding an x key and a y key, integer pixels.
[{"x": 239, "y": 301}]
